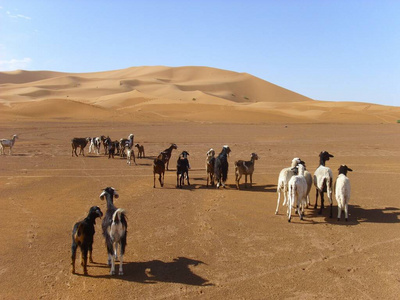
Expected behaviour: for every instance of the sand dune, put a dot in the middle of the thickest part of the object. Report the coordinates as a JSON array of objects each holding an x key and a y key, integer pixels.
[{"x": 175, "y": 93}]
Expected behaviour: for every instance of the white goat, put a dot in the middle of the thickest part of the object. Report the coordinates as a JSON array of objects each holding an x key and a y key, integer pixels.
[
  {"x": 297, "y": 193},
  {"x": 283, "y": 180},
  {"x": 130, "y": 155},
  {"x": 323, "y": 181},
  {"x": 342, "y": 191},
  {"x": 7, "y": 143},
  {"x": 308, "y": 177}
]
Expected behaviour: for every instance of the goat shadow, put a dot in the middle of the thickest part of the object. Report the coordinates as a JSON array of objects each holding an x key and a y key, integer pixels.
[
  {"x": 151, "y": 272},
  {"x": 357, "y": 215}
]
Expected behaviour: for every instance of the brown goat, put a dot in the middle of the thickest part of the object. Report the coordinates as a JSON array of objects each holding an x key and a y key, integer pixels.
[{"x": 245, "y": 168}]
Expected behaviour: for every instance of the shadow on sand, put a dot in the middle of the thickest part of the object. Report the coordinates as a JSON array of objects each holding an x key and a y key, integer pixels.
[
  {"x": 357, "y": 215},
  {"x": 151, "y": 272}
]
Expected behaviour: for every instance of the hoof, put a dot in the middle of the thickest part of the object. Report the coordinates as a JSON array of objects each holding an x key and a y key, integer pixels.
[
  {"x": 346, "y": 219},
  {"x": 121, "y": 273},
  {"x": 289, "y": 220},
  {"x": 112, "y": 273},
  {"x": 338, "y": 219}
]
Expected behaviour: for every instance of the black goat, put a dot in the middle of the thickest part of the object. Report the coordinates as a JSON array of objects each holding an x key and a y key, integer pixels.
[
  {"x": 114, "y": 229},
  {"x": 81, "y": 143},
  {"x": 221, "y": 166},
  {"x": 82, "y": 236},
  {"x": 182, "y": 169},
  {"x": 158, "y": 168}
]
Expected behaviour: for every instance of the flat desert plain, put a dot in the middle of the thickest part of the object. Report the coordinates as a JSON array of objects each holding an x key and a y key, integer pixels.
[{"x": 197, "y": 242}]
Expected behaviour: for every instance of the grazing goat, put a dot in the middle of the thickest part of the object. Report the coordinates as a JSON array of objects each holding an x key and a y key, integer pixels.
[
  {"x": 166, "y": 154},
  {"x": 81, "y": 143},
  {"x": 7, "y": 143},
  {"x": 221, "y": 166},
  {"x": 283, "y": 181},
  {"x": 182, "y": 169},
  {"x": 245, "y": 168},
  {"x": 158, "y": 168},
  {"x": 140, "y": 151},
  {"x": 342, "y": 191},
  {"x": 130, "y": 155},
  {"x": 126, "y": 143},
  {"x": 297, "y": 193},
  {"x": 323, "y": 181},
  {"x": 114, "y": 230},
  {"x": 210, "y": 162},
  {"x": 82, "y": 236}
]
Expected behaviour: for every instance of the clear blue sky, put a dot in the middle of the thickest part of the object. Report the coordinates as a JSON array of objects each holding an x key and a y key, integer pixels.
[{"x": 327, "y": 49}]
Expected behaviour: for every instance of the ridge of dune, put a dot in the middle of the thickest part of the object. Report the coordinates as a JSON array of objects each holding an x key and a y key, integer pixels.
[{"x": 179, "y": 93}]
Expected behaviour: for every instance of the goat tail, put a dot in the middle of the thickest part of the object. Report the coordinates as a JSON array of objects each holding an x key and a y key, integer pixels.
[{"x": 118, "y": 214}]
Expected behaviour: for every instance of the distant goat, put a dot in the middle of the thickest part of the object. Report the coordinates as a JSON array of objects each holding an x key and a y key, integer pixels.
[
  {"x": 140, "y": 151},
  {"x": 114, "y": 230},
  {"x": 245, "y": 168},
  {"x": 130, "y": 155},
  {"x": 158, "y": 168},
  {"x": 221, "y": 166},
  {"x": 7, "y": 143},
  {"x": 82, "y": 237},
  {"x": 95, "y": 144},
  {"x": 81, "y": 143},
  {"x": 126, "y": 143},
  {"x": 182, "y": 169},
  {"x": 210, "y": 162},
  {"x": 166, "y": 154}
]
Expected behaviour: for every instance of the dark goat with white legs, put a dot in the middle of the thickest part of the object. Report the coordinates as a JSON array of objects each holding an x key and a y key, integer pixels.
[
  {"x": 126, "y": 143},
  {"x": 158, "y": 168},
  {"x": 245, "y": 168},
  {"x": 182, "y": 169},
  {"x": 114, "y": 229},
  {"x": 221, "y": 166},
  {"x": 166, "y": 154},
  {"x": 82, "y": 237},
  {"x": 81, "y": 143},
  {"x": 323, "y": 181}
]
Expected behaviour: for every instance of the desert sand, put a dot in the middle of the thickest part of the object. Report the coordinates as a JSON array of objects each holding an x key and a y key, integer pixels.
[{"x": 195, "y": 242}]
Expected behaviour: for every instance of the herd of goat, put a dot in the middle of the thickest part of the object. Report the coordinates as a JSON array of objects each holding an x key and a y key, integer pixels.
[{"x": 294, "y": 182}]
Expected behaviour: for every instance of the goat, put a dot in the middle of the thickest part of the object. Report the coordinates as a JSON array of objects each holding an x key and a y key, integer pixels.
[
  {"x": 140, "y": 151},
  {"x": 210, "y": 162},
  {"x": 283, "y": 181},
  {"x": 158, "y": 168},
  {"x": 114, "y": 229},
  {"x": 221, "y": 166},
  {"x": 297, "y": 193},
  {"x": 112, "y": 147},
  {"x": 182, "y": 169},
  {"x": 130, "y": 155},
  {"x": 81, "y": 143},
  {"x": 82, "y": 236},
  {"x": 126, "y": 143},
  {"x": 103, "y": 141},
  {"x": 7, "y": 143},
  {"x": 95, "y": 144},
  {"x": 342, "y": 191},
  {"x": 166, "y": 154},
  {"x": 323, "y": 181},
  {"x": 246, "y": 168}
]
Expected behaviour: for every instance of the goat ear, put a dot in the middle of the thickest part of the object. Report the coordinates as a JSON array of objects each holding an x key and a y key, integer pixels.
[
  {"x": 116, "y": 195},
  {"x": 103, "y": 195}
]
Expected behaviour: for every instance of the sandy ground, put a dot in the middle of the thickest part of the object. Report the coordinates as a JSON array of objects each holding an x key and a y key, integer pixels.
[
  {"x": 200, "y": 242},
  {"x": 195, "y": 242}
]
